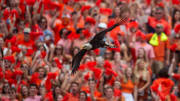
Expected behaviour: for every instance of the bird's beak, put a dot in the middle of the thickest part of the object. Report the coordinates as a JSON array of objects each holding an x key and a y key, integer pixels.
[{"x": 87, "y": 46}]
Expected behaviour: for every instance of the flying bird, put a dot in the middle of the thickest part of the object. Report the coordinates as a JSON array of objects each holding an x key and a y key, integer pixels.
[{"x": 96, "y": 42}]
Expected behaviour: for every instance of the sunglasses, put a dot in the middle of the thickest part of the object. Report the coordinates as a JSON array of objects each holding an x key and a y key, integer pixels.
[
  {"x": 59, "y": 48},
  {"x": 107, "y": 53},
  {"x": 158, "y": 13},
  {"x": 159, "y": 27}
]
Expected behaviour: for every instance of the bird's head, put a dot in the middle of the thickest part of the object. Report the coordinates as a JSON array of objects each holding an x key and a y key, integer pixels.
[{"x": 87, "y": 46}]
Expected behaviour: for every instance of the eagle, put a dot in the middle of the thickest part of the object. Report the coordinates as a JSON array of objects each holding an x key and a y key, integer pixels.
[{"x": 96, "y": 42}]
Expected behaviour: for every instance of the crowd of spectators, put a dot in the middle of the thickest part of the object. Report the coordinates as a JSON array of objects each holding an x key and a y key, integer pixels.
[{"x": 39, "y": 38}]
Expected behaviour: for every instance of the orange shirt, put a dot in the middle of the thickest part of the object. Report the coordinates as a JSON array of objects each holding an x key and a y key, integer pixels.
[
  {"x": 81, "y": 22},
  {"x": 20, "y": 37},
  {"x": 127, "y": 87},
  {"x": 104, "y": 99},
  {"x": 70, "y": 97},
  {"x": 87, "y": 90},
  {"x": 160, "y": 49}
]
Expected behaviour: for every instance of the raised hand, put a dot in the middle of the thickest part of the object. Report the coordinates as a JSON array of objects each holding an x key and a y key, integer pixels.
[{"x": 121, "y": 20}]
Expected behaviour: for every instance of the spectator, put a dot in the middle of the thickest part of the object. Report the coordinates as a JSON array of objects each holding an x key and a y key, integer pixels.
[
  {"x": 160, "y": 43},
  {"x": 142, "y": 79},
  {"x": 33, "y": 94}
]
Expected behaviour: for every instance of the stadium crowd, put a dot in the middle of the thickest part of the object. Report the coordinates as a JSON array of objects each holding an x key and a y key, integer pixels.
[{"x": 39, "y": 38}]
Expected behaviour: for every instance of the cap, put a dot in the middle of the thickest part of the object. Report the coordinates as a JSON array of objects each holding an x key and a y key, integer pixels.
[
  {"x": 27, "y": 30},
  {"x": 102, "y": 25}
]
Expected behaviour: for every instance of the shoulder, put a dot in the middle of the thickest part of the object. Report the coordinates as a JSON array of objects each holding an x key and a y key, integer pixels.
[
  {"x": 100, "y": 99},
  {"x": 27, "y": 99},
  {"x": 149, "y": 46}
]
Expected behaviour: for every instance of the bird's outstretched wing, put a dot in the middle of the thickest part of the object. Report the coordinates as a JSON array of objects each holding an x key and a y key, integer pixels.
[
  {"x": 100, "y": 35},
  {"x": 77, "y": 59}
]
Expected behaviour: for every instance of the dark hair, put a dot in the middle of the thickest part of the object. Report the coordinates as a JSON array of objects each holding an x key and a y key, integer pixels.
[
  {"x": 1, "y": 51},
  {"x": 3, "y": 90},
  {"x": 159, "y": 8},
  {"x": 163, "y": 73},
  {"x": 83, "y": 93},
  {"x": 66, "y": 34},
  {"x": 173, "y": 17},
  {"x": 73, "y": 13},
  {"x": 79, "y": 30},
  {"x": 124, "y": 9},
  {"x": 72, "y": 50},
  {"x": 54, "y": 89},
  {"x": 21, "y": 90},
  {"x": 109, "y": 87},
  {"x": 62, "y": 50},
  {"x": 76, "y": 83},
  {"x": 40, "y": 20},
  {"x": 92, "y": 80},
  {"x": 33, "y": 85},
  {"x": 12, "y": 89}
]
